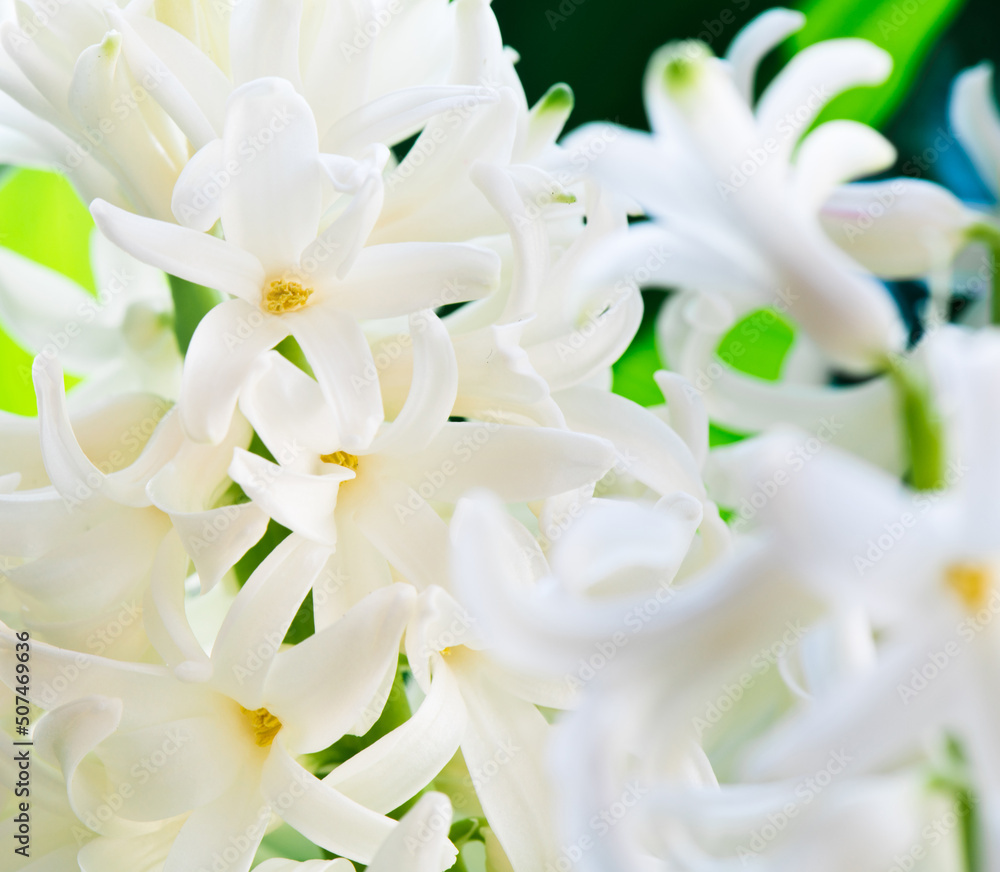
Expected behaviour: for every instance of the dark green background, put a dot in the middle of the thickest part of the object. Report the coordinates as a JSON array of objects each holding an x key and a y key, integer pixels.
[{"x": 601, "y": 50}]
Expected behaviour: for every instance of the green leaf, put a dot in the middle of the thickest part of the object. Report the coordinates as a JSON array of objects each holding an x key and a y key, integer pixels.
[
  {"x": 758, "y": 344},
  {"x": 907, "y": 29},
  {"x": 287, "y": 843},
  {"x": 41, "y": 218},
  {"x": 191, "y": 303},
  {"x": 633, "y": 372}
]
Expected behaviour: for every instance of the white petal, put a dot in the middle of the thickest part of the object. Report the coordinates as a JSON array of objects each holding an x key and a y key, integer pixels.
[
  {"x": 215, "y": 538},
  {"x": 433, "y": 388},
  {"x": 288, "y": 412},
  {"x": 648, "y": 449},
  {"x": 71, "y": 470},
  {"x": 573, "y": 357},
  {"x": 233, "y": 824},
  {"x": 218, "y": 360},
  {"x": 272, "y": 205},
  {"x": 406, "y": 530},
  {"x": 318, "y": 688},
  {"x": 320, "y": 813},
  {"x": 259, "y": 617},
  {"x": 264, "y": 39},
  {"x": 39, "y": 306},
  {"x": 756, "y": 40},
  {"x": 838, "y": 152},
  {"x": 974, "y": 117},
  {"x": 196, "y": 201},
  {"x": 304, "y": 503},
  {"x": 518, "y": 463},
  {"x": 194, "y": 256},
  {"x": 164, "y": 618},
  {"x": 899, "y": 229},
  {"x": 511, "y": 735},
  {"x": 196, "y": 71},
  {"x": 686, "y": 411},
  {"x": 420, "y": 842},
  {"x": 400, "y": 764},
  {"x": 100, "y": 82},
  {"x": 341, "y": 358},
  {"x": 162, "y": 82},
  {"x": 436, "y": 273},
  {"x": 811, "y": 79},
  {"x": 396, "y": 116},
  {"x": 354, "y": 570},
  {"x": 332, "y": 254}
]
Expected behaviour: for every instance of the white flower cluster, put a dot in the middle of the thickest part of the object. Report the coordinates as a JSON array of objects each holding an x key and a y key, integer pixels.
[{"x": 375, "y": 568}]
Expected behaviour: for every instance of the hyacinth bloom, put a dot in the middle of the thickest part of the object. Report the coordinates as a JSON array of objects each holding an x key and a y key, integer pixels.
[
  {"x": 237, "y": 730},
  {"x": 432, "y": 546},
  {"x": 741, "y": 218},
  {"x": 287, "y": 280}
]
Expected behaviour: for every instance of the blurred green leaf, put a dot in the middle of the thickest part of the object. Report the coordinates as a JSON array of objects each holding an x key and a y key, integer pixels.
[
  {"x": 907, "y": 29},
  {"x": 633, "y": 372},
  {"x": 287, "y": 843},
  {"x": 41, "y": 218},
  {"x": 758, "y": 344},
  {"x": 191, "y": 303}
]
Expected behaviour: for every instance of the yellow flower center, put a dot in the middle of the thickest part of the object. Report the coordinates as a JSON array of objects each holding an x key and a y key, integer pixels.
[
  {"x": 973, "y": 582},
  {"x": 341, "y": 458},
  {"x": 285, "y": 296},
  {"x": 265, "y": 726}
]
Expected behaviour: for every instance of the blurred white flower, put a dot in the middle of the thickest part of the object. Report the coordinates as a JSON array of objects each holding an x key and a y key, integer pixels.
[
  {"x": 737, "y": 213},
  {"x": 119, "y": 341}
]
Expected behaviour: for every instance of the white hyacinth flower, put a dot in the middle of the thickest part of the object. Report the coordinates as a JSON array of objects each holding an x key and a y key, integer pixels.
[
  {"x": 290, "y": 276},
  {"x": 231, "y": 728},
  {"x": 735, "y": 189}
]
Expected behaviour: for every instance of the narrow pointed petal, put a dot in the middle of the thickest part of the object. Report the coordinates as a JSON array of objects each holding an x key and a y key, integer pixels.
[
  {"x": 755, "y": 41},
  {"x": 433, "y": 388},
  {"x": 318, "y": 688},
  {"x": 320, "y": 813},
  {"x": 194, "y": 256},
  {"x": 400, "y": 764},
  {"x": 225, "y": 343}
]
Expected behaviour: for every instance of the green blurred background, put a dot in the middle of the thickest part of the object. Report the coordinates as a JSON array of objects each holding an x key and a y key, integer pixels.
[{"x": 600, "y": 48}]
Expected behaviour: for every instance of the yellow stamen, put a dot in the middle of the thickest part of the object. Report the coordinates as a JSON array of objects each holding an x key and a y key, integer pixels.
[
  {"x": 446, "y": 652},
  {"x": 265, "y": 726},
  {"x": 973, "y": 583},
  {"x": 341, "y": 458},
  {"x": 285, "y": 296}
]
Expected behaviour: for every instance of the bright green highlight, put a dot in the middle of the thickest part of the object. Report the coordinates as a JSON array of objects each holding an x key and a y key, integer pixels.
[
  {"x": 41, "y": 218},
  {"x": 906, "y": 30},
  {"x": 758, "y": 344}
]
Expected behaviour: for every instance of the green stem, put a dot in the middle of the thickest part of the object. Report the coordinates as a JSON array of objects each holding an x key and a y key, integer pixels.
[
  {"x": 989, "y": 235},
  {"x": 921, "y": 425}
]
